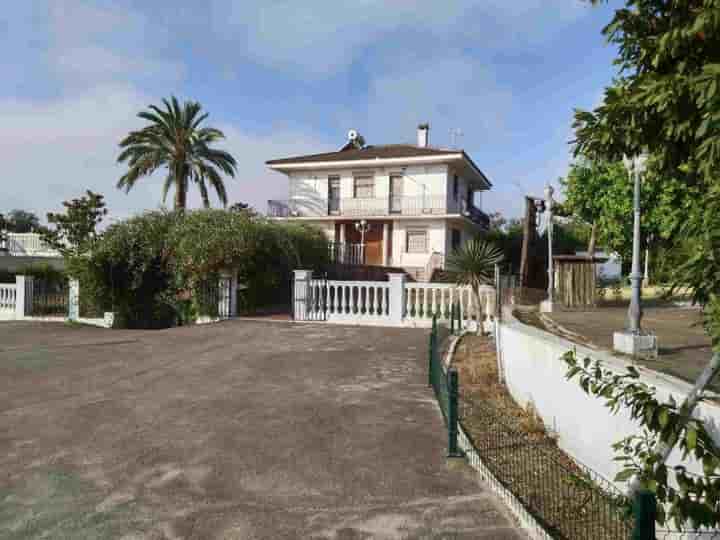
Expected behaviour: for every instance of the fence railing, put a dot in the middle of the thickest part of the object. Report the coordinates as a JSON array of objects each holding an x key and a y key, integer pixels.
[
  {"x": 26, "y": 244},
  {"x": 8, "y": 297},
  {"x": 345, "y": 253},
  {"x": 48, "y": 298},
  {"x": 376, "y": 206},
  {"x": 395, "y": 302}
]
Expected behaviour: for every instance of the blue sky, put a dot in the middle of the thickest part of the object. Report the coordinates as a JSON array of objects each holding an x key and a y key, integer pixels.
[{"x": 284, "y": 78}]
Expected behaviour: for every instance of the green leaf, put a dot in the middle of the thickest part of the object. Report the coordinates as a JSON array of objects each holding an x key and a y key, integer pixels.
[
  {"x": 691, "y": 437},
  {"x": 624, "y": 475}
]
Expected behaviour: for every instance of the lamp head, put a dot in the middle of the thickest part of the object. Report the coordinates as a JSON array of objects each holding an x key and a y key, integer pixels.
[
  {"x": 641, "y": 162},
  {"x": 628, "y": 162}
]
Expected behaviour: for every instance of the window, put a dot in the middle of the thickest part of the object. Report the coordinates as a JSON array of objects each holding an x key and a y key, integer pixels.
[
  {"x": 333, "y": 194},
  {"x": 456, "y": 186},
  {"x": 364, "y": 187},
  {"x": 455, "y": 239},
  {"x": 416, "y": 241}
]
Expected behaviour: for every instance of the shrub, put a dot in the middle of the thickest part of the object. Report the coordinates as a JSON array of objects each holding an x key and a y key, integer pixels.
[{"x": 160, "y": 268}]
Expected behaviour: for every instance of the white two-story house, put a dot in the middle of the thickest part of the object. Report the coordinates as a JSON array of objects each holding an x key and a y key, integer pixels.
[{"x": 399, "y": 205}]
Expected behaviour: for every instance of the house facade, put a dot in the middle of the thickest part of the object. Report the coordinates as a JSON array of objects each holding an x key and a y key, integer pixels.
[{"x": 399, "y": 205}]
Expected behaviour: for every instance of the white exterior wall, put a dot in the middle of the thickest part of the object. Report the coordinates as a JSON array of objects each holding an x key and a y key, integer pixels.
[
  {"x": 310, "y": 189},
  {"x": 535, "y": 373},
  {"x": 437, "y": 241}
]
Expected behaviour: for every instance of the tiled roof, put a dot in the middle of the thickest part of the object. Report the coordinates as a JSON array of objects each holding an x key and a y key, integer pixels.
[{"x": 386, "y": 151}]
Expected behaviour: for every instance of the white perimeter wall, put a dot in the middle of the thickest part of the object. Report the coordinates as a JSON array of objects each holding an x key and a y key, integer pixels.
[{"x": 535, "y": 373}]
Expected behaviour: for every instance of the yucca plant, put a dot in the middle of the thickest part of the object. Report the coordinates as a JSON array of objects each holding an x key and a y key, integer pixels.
[
  {"x": 473, "y": 265},
  {"x": 175, "y": 141}
]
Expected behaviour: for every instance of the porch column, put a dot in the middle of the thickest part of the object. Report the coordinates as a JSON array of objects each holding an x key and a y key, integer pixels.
[
  {"x": 385, "y": 243},
  {"x": 341, "y": 249}
]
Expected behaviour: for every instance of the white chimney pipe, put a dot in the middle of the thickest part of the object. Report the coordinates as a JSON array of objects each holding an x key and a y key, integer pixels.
[{"x": 423, "y": 135}]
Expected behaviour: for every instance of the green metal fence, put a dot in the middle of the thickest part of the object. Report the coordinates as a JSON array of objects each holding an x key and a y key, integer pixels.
[{"x": 567, "y": 499}]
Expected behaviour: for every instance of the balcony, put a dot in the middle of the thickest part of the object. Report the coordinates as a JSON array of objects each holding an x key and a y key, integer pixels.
[
  {"x": 376, "y": 207},
  {"x": 25, "y": 244}
]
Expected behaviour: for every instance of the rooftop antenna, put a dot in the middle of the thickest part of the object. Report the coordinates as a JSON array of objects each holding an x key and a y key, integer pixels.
[{"x": 454, "y": 134}]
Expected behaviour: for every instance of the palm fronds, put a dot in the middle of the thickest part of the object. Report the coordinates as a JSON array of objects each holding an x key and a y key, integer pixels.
[{"x": 174, "y": 140}]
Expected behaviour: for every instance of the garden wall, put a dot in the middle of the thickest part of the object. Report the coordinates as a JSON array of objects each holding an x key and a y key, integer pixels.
[{"x": 535, "y": 373}]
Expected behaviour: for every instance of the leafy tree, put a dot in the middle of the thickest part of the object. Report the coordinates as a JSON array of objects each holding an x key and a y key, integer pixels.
[
  {"x": 20, "y": 221},
  {"x": 243, "y": 208},
  {"x": 696, "y": 499},
  {"x": 175, "y": 141},
  {"x": 666, "y": 100},
  {"x": 76, "y": 229},
  {"x": 601, "y": 193},
  {"x": 473, "y": 265}
]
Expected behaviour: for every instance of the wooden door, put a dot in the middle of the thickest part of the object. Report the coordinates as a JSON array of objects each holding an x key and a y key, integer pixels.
[{"x": 373, "y": 245}]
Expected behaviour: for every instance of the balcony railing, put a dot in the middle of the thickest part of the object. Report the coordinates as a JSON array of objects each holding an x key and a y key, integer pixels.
[
  {"x": 376, "y": 207},
  {"x": 25, "y": 244}
]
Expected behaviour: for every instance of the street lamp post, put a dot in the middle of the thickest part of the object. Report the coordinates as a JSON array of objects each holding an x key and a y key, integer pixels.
[
  {"x": 547, "y": 305},
  {"x": 634, "y": 340},
  {"x": 635, "y": 167},
  {"x": 362, "y": 227}
]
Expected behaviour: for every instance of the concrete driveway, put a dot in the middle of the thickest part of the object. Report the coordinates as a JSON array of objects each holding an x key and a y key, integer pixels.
[{"x": 239, "y": 430}]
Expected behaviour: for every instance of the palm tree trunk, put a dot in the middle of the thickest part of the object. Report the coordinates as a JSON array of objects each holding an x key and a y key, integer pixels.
[
  {"x": 478, "y": 311},
  {"x": 180, "y": 191}
]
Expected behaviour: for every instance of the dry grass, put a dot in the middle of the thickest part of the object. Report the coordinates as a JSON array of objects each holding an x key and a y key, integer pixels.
[{"x": 516, "y": 446}]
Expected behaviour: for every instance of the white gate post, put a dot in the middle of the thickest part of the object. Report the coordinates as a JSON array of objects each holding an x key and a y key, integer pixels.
[
  {"x": 74, "y": 300},
  {"x": 23, "y": 296},
  {"x": 301, "y": 293},
  {"x": 397, "y": 298}
]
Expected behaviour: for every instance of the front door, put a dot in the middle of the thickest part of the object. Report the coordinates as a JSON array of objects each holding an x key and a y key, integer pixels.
[
  {"x": 374, "y": 245},
  {"x": 396, "y": 193}
]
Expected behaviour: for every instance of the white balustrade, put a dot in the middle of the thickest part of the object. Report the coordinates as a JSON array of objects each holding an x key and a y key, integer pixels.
[
  {"x": 8, "y": 299},
  {"x": 393, "y": 303}
]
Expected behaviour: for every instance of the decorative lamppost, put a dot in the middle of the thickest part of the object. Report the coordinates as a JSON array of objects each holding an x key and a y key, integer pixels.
[
  {"x": 362, "y": 227},
  {"x": 634, "y": 341},
  {"x": 547, "y": 305}
]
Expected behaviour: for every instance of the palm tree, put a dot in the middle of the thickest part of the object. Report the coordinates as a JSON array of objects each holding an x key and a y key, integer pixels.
[
  {"x": 175, "y": 141},
  {"x": 473, "y": 265}
]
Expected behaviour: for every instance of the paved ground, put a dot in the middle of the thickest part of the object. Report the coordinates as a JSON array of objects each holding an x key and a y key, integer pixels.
[
  {"x": 684, "y": 348},
  {"x": 239, "y": 430}
]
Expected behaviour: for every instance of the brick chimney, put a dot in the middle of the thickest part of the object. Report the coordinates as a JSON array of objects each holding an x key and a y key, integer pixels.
[{"x": 423, "y": 135}]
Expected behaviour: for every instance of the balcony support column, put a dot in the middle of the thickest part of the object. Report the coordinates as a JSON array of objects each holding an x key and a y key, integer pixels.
[
  {"x": 342, "y": 243},
  {"x": 386, "y": 243}
]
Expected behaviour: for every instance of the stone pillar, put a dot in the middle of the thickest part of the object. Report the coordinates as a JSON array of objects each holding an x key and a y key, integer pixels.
[
  {"x": 397, "y": 298},
  {"x": 23, "y": 296},
  {"x": 74, "y": 300},
  {"x": 301, "y": 294},
  {"x": 386, "y": 243}
]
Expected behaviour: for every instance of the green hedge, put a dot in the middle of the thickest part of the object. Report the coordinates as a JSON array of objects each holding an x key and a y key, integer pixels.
[{"x": 154, "y": 270}]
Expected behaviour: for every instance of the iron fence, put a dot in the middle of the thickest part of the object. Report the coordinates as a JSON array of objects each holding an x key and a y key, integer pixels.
[
  {"x": 570, "y": 500},
  {"x": 50, "y": 298}
]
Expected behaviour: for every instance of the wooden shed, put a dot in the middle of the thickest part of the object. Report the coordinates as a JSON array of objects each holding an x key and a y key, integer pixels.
[{"x": 576, "y": 281}]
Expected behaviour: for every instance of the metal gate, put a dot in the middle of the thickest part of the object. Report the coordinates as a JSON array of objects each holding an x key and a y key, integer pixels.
[{"x": 310, "y": 299}]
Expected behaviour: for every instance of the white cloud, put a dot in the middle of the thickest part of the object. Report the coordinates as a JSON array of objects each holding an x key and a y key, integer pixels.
[
  {"x": 321, "y": 37},
  {"x": 55, "y": 151}
]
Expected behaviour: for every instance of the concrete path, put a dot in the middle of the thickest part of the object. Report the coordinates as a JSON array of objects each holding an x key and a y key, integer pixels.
[{"x": 239, "y": 430}]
